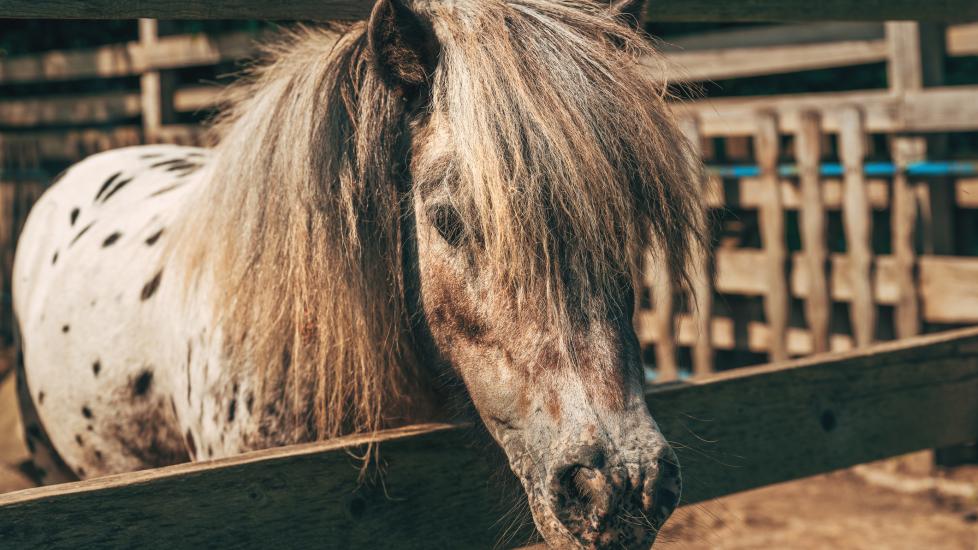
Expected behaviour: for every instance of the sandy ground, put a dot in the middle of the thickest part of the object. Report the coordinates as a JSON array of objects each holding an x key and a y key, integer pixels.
[
  {"x": 836, "y": 511},
  {"x": 833, "y": 511}
]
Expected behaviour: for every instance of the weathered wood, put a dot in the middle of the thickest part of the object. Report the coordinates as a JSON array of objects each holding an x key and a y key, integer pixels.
[
  {"x": 778, "y": 35},
  {"x": 740, "y": 62},
  {"x": 156, "y": 87},
  {"x": 659, "y": 10},
  {"x": 962, "y": 39},
  {"x": 667, "y": 367},
  {"x": 858, "y": 223},
  {"x": 903, "y": 216},
  {"x": 702, "y": 277},
  {"x": 804, "y": 417},
  {"x": 169, "y": 52},
  {"x": 817, "y": 304},
  {"x": 946, "y": 109},
  {"x": 79, "y": 109},
  {"x": 771, "y": 215}
]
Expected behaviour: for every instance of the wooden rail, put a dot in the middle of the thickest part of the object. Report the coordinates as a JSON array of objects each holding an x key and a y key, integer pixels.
[
  {"x": 736, "y": 431},
  {"x": 659, "y": 10}
]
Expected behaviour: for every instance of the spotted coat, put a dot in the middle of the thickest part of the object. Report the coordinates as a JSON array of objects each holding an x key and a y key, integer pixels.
[{"x": 114, "y": 363}]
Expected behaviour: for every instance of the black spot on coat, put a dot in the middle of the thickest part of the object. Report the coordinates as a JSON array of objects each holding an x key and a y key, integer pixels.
[
  {"x": 96, "y": 367},
  {"x": 151, "y": 240},
  {"x": 150, "y": 288},
  {"x": 54, "y": 259},
  {"x": 105, "y": 186},
  {"x": 116, "y": 189},
  {"x": 73, "y": 217},
  {"x": 86, "y": 412},
  {"x": 65, "y": 329},
  {"x": 111, "y": 239},
  {"x": 142, "y": 383}
]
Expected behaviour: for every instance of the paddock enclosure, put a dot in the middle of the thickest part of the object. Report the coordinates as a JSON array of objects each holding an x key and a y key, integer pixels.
[{"x": 843, "y": 219}]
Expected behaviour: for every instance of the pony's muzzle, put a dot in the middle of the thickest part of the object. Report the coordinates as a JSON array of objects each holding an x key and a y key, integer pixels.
[{"x": 604, "y": 504}]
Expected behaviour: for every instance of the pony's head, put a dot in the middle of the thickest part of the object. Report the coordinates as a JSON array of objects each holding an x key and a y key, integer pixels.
[
  {"x": 466, "y": 190},
  {"x": 544, "y": 165}
]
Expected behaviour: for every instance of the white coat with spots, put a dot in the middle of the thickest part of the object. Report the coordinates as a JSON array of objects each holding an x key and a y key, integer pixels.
[{"x": 105, "y": 354}]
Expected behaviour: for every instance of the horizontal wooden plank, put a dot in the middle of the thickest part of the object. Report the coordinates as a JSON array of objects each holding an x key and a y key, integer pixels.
[
  {"x": 962, "y": 39},
  {"x": 775, "y": 35},
  {"x": 946, "y": 288},
  {"x": 659, "y": 10},
  {"x": 132, "y": 58},
  {"x": 733, "y": 431},
  {"x": 740, "y": 62},
  {"x": 100, "y": 108},
  {"x": 953, "y": 108},
  {"x": 738, "y": 334},
  {"x": 80, "y": 109}
]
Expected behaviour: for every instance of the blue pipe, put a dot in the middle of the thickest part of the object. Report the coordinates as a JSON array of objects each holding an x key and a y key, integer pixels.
[{"x": 925, "y": 168}]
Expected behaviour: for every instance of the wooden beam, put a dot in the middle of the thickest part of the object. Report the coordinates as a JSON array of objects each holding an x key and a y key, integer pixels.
[
  {"x": 802, "y": 418},
  {"x": 169, "y": 52},
  {"x": 742, "y": 62},
  {"x": 946, "y": 109},
  {"x": 857, "y": 218},
  {"x": 775, "y": 35},
  {"x": 947, "y": 291},
  {"x": 771, "y": 218},
  {"x": 818, "y": 307},
  {"x": 903, "y": 224},
  {"x": 702, "y": 271},
  {"x": 659, "y": 10}
]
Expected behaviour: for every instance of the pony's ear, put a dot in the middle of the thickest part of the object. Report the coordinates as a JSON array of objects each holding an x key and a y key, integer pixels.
[
  {"x": 629, "y": 12},
  {"x": 404, "y": 47}
]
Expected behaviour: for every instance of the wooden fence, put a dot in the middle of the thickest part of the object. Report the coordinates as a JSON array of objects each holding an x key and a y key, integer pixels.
[
  {"x": 733, "y": 431},
  {"x": 920, "y": 279}
]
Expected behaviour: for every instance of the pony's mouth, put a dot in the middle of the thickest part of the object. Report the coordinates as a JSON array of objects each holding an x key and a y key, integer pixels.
[{"x": 593, "y": 502}]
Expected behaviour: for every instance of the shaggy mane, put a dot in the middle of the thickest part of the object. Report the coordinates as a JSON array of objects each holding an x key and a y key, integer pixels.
[{"x": 556, "y": 147}]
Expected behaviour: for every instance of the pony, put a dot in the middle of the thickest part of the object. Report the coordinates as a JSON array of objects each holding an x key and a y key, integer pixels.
[{"x": 449, "y": 201}]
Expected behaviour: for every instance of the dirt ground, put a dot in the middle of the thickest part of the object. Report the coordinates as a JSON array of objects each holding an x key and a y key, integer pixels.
[{"x": 838, "y": 511}]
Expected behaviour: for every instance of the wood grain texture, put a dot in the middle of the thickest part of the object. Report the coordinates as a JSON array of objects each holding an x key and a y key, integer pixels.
[
  {"x": 903, "y": 218},
  {"x": 808, "y": 145},
  {"x": 858, "y": 223},
  {"x": 733, "y": 431},
  {"x": 702, "y": 282},
  {"x": 740, "y": 62},
  {"x": 944, "y": 109},
  {"x": 663, "y": 302},
  {"x": 766, "y": 148},
  {"x": 658, "y": 10}
]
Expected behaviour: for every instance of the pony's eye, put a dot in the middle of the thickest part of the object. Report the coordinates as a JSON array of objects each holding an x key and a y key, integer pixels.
[{"x": 449, "y": 224}]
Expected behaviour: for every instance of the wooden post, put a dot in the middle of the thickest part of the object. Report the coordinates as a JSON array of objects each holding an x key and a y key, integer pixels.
[
  {"x": 156, "y": 88},
  {"x": 916, "y": 61},
  {"x": 817, "y": 303},
  {"x": 664, "y": 317},
  {"x": 766, "y": 148},
  {"x": 858, "y": 222},
  {"x": 903, "y": 212},
  {"x": 702, "y": 278}
]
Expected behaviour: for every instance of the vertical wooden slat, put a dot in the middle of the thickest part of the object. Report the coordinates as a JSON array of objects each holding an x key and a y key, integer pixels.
[
  {"x": 156, "y": 88},
  {"x": 664, "y": 319},
  {"x": 776, "y": 304},
  {"x": 903, "y": 212},
  {"x": 857, "y": 220},
  {"x": 813, "y": 236},
  {"x": 916, "y": 54},
  {"x": 702, "y": 279}
]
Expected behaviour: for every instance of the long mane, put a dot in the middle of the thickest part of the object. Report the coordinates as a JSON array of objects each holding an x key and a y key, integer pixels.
[{"x": 559, "y": 152}]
